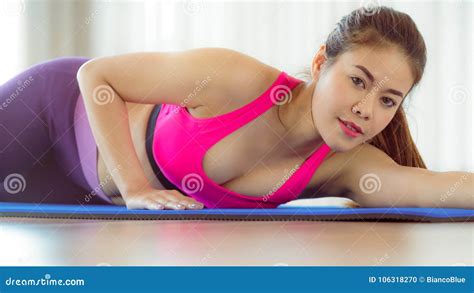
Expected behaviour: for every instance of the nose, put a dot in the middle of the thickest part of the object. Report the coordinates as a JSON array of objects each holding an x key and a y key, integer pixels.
[{"x": 363, "y": 109}]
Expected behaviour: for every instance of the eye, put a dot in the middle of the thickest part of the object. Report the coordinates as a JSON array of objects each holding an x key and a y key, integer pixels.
[
  {"x": 357, "y": 81},
  {"x": 391, "y": 102}
]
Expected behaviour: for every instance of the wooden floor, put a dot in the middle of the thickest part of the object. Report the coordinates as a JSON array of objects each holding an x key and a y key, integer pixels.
[{"x": 51, "y": 242}]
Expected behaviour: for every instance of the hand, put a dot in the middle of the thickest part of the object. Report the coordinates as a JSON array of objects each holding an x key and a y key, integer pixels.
[{"x": 155, "y": 199}]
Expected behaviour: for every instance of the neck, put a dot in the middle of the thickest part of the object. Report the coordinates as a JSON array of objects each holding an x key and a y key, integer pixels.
[{"x": 299, "y": 130}]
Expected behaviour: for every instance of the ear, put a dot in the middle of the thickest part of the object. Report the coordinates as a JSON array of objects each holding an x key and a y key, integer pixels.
[{"x": 318, "y": 60}]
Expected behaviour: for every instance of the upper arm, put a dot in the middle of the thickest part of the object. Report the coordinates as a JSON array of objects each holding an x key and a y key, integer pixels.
[
  {"x": 181, "y": 77},
  {"x": 375, "y": 180}
]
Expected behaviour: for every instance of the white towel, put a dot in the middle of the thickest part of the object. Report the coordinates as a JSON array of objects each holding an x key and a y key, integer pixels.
[{"x": 332, "y": 201}]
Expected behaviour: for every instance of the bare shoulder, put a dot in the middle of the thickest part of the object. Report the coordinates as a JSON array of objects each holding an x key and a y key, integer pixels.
[
  {"x": 245, "y": 78},
  {"x": 362, "y": 159},
  {"x": 339, "y": 170}
]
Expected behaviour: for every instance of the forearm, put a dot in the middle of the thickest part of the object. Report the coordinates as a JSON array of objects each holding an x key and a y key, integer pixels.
[
  {"x": 450, "y": 190},
  {"x": 108, "y": 118}
]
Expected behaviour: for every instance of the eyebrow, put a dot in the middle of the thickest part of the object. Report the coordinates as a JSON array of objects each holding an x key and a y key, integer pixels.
[{"x": 372, "y": 79}]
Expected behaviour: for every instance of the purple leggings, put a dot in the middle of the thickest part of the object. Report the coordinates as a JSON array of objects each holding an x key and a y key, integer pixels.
[{"x": 39, "y": 155}]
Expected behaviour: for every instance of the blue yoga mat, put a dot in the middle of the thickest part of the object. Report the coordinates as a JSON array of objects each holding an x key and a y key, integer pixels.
[{"x": 281, "y": 213}]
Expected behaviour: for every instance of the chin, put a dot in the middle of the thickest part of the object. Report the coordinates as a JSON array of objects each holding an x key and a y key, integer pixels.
[
  {"x": 342, "y": 148},
  {"x": 340, "y": 143}
]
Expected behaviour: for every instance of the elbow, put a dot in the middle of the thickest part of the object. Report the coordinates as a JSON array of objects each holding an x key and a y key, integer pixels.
[{"x": 87, "y": 69}]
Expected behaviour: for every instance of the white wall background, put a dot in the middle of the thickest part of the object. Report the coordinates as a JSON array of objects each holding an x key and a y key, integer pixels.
[{"x": 283, "y": 34}]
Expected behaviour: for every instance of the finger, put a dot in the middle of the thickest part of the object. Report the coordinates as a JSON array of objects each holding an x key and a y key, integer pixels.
[
  {"x": 187, "y": 201},
  {"x": 165, "y": 199},
  {"x": 178, "y": 194},
  {"x": 168, "y": 196},
  {"x": 191, "y": 204},
  {"x": 177, "y": 198},
  {"x": 177, "y": 202},
  {"x": 196, "y": 206},
  {"x": 174, "y": 205},
  {"x": 161, "y": 200},
  {"x": 165, "y": 202},
  {"x": 154, "y": 205}
]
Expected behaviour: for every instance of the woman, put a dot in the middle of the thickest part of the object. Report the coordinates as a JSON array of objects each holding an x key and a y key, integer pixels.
[{"x": 216, "y": 128}]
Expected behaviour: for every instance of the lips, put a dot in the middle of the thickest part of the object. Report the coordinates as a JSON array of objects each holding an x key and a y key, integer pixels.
[{"x": 352, "y": 125}]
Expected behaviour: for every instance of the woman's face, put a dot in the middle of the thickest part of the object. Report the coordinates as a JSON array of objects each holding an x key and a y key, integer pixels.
[{"x": 364, "y": 86}]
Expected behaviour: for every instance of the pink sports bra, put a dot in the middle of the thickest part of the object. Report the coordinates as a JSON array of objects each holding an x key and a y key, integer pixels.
[{"x": 180, "y": 142}]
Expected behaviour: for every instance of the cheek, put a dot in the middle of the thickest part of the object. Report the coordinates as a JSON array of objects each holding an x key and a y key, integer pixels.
[
  {"x": 323, "y": 105},
  {"x": 329, "y": 98},
  {"x": 339, "y": 95},
  {"x": 381, "y": 123}
]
